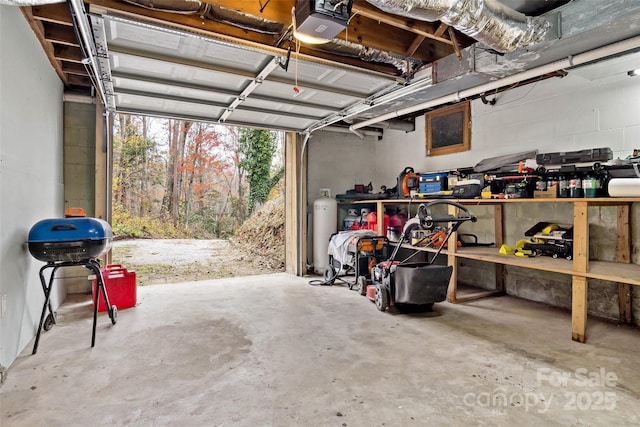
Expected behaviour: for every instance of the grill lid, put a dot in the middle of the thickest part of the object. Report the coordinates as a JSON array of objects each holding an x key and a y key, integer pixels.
[{"x": 69, "y": 230}]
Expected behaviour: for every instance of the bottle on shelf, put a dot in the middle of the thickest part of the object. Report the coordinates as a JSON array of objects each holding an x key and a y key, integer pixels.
[
  {"x": 589, "y": 185},
  {"x": 563, "y": 186},
  {"x": 575, "y": 187}
]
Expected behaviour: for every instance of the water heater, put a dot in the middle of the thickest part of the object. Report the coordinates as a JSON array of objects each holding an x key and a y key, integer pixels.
[{"x": 325, "y": 223}]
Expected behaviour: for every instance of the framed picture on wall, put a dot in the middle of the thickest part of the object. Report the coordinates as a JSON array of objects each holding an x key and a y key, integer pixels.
[{"x": 449, "y": 129}]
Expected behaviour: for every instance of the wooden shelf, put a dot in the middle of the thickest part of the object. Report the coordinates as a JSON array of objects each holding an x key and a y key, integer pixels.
[
  {"x": 602, "y": 270},
  {"x": 591, "y": 201},
  {"x": 581, "y": 268},
  {"x": 615, "y": 272}
]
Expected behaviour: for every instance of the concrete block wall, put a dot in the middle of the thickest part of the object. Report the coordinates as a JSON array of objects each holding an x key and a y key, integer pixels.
[
  {"x": 79, "y": 177},
  {"x": 80, "y": 156}
]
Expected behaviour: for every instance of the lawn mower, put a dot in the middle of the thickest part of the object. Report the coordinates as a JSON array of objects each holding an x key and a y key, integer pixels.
[{"x": 399, "y": 283}]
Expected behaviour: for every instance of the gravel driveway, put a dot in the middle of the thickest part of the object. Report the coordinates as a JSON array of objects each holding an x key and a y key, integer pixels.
[{"x": 173, "y": 261}]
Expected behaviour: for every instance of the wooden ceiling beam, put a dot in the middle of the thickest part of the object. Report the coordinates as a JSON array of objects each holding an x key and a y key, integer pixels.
[
  {"x": 369, "y": 33},
  {"x": 421, "y": 28},
  {"x": 456, "y": 47},
  {"x": 68, "y": 53},
  {"x": 276, "y": 10},
  {"x": 84, "y": 81},
  {"x": 47, "y": 46},
  {"x": 54, "y": 12},
  {"x": 61, "y": 34},
  {"x": 415, "y": 45},
  {"x": 442, "y": 28},
  {"x": 74, "y": 68}
]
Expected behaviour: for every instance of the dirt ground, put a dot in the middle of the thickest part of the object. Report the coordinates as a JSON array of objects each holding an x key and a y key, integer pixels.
[{"x": 157, "y": 261}]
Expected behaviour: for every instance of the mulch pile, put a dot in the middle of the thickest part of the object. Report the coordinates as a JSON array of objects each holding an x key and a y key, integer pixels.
[{"x": 262, "y": 235}]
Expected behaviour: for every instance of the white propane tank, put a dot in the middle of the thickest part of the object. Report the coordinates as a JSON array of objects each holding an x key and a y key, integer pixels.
[{"x": 325, "y": 223}]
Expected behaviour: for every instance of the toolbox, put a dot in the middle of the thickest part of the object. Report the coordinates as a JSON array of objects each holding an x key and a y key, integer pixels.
[
  {"x": 626, "y": 169},
  {"x": 433, "y": 182},
  {"x": 513, "y": 186},
  {"x": 121, "y": 286},
  {"x": 580, "y": 156}
]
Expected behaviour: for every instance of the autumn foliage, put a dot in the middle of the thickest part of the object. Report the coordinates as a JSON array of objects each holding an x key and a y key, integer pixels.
[{"x": 184, "y": 179}]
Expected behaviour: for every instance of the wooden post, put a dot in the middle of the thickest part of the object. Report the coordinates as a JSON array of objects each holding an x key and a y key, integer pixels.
[
  {"x": 579, "y": 284},
  {"x": 623, "y": 255},
  {"x": 452, "y": 260},
  {"x": 579, "y": 308},
  {"x": 295, "y": 223},
  {"x": 498, "y": 213}
]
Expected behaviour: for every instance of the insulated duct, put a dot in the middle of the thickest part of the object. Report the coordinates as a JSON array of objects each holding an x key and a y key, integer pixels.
[
  {"x": 498, "y": 26},
  {"x": 212, "y": 12},
  {"x": 572, "y": 61},
  {"x": 354, "y": 50}
]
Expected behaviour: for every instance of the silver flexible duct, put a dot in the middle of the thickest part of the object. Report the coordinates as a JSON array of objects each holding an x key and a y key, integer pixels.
[
  {"x": 498, "y": 26},
  {"x": 185, "y": 7},
  {"x": 354, "y": 50},
  {"x": 214, "y": 13}
]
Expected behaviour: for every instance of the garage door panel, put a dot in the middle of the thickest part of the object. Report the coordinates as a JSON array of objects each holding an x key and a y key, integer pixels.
[
  {"x": 285, "y": 91},
  {"x": 335, "y": 78},
  {"x": 284, "y": 107},
  {"x": 132, "y": 65},
  {"x": 130, "y": 35},
  {"x": 168, "y": 105},
  {"x": 151, "y": 68},
  {"x": 123, "y": 84},
  {"x": 277, "y": 121}
]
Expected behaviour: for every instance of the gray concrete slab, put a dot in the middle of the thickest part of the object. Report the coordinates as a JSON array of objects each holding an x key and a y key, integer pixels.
[{"x": 273, "y": 351}]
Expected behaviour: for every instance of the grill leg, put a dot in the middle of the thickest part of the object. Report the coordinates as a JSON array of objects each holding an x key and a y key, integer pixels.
[
  {"x": 47, "y": 302},
  {"x": 95, "y": 267}
]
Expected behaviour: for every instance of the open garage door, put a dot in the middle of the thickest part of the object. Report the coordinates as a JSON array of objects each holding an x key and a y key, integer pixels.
[{"x": 166, "y": 72}]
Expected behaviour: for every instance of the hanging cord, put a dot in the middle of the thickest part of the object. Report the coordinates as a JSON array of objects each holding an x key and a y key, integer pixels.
[
  {"x": 296, "y": 89},
  {"x": 346, "y": 30}
]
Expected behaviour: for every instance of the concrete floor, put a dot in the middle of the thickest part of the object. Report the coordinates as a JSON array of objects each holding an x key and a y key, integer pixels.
[{"x": 274, "y": 351}]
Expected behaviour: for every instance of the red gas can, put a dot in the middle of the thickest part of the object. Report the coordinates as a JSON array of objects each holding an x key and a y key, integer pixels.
[
  {"x": 120, "y": 285},
  {"x": 372, "y": 221},
  {"x": 398, "y": 220}
]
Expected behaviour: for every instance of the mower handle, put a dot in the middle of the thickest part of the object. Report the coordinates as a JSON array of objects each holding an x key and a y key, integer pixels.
[{"x": 427, "y": 220}]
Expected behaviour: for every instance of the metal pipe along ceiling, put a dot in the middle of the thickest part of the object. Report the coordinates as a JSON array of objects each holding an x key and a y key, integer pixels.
[
  {"x": 572, "y": 61},
  {"x": 488, "y": 21}
]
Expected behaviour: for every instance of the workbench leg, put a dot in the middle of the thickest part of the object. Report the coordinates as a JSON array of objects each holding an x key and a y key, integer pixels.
[
  {"x": 579, "y": 293},
  {"x": 625, "y": 303},
  {"x": 623, "y": 255}
]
